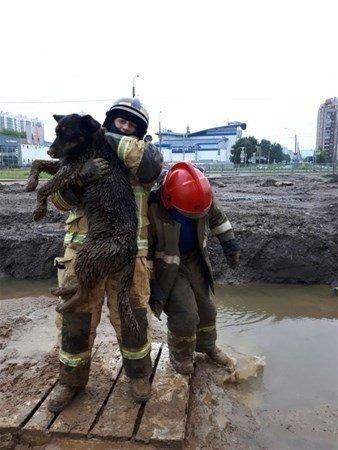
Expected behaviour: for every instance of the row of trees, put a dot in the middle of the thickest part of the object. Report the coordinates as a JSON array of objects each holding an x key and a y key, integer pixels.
[
  {"x": 8, "y": 132},
  {"x": 248, "y": 147}
]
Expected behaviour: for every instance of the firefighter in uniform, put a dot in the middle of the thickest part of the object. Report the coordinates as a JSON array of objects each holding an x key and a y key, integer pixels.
[
  {"x": 180, "y": 211},
  {"x": 126, "y": 123}
]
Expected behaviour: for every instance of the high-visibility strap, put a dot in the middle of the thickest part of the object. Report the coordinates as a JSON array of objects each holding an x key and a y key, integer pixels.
[
  {"x": 182, "y": 338},
  {"x": 141, "y": 199},
  {"x": 142, "y": 244},
  {"x": 169, "y": 259},
  {"x": 137, "y": 353},
  {"x": 60, "y": 202},
  {"x": 75, "y": 238},
  {"x": 74, "y": 360},
  {"x": 225, "y": 226},
  {"x": 122, "y": 148},
  {"x": 207, "y": 329}
]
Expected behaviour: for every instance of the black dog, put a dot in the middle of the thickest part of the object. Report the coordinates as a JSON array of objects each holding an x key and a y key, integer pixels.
[{"x": 110, "y": 209}]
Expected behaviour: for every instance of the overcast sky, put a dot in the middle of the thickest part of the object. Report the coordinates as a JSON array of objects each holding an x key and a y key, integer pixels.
[{"x": 268, "y": 63}]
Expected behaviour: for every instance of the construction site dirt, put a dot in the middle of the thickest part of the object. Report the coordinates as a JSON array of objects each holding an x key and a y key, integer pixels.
[
  {"x": 286, "y": 235},
  {"x": 285, "y": 227}
]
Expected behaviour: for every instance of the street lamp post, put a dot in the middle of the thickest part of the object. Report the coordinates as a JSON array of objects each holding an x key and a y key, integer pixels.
[{"x": 133, "y": 90}]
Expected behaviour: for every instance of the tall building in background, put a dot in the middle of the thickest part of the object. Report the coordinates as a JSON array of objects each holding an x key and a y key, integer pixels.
[
  {"x": 327, "y": 129},
  {"x": 33, "y": 128}
]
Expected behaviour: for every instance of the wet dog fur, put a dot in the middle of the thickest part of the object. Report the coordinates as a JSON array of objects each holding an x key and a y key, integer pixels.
[{"x": 110, "y": 209}]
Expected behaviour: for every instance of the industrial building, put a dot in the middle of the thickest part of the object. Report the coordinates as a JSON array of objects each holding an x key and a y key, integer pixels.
[
  {"x": 16, "y": 152},
  {"x": 31, "y": 152},
  {"x": 209, "y": 145},
  {"x": 10, "y": 151}
]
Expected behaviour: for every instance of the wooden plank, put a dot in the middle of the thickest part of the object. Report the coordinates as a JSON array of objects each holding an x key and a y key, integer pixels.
[
  {"x": 165, "y": 414},
  {"x": 77, "y": 418},
  {"x": 39, "y": 421},
  {"x": 120, "y": 413},
  {"x": 32, "y": 385},
  {"x": 104, "y": 370}
]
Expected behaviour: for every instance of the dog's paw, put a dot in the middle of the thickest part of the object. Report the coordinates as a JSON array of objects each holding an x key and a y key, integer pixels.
[
  {"x": 31, "y": 185},
  {"x": 68, "y": 305},
  {"x": 39, "y": 214},
  {"x": 64, "y": 291}
]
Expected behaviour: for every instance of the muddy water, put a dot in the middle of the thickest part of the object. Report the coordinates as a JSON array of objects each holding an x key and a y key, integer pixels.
[
  {"x": 13, "y": 288},
  {"x": 296, "y": 329}
]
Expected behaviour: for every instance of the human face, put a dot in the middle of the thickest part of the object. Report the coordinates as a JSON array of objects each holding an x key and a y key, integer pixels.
[{"x": 126, "y": 127}]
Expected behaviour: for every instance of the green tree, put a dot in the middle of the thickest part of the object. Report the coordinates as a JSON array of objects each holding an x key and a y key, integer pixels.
[
  {"x": 248, "y": 144},
  {"x": 277, "y": 154},
  {"x": 265, "y": 152},
  {"x": 320, "y": 156},
  {"x": 18, "y": 134}
]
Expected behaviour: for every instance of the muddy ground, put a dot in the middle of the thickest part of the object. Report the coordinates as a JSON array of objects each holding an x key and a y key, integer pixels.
[
  {"x": 221, "y": 415},
  {"x": 287, "y": 232}
]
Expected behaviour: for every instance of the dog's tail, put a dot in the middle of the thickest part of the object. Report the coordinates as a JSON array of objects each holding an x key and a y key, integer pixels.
[{"x": 127, "y": 316}]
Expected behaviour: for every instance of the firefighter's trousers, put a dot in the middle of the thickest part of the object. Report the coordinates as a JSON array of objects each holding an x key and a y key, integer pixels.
[
  {"x": 77, "y": 329},
  {"x": 190, "y": 310}
]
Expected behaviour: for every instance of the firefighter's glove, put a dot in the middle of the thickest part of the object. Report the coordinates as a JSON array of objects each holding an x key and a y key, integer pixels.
[
  {"x": 157, "y": 298},
  {"x": 232, "y": 252},
  {"x": 93, "y": 170}
]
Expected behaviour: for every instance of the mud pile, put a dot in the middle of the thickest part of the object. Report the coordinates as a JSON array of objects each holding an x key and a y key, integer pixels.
[
  {"x": 286, "y": 232},
  {"x": 27, "y": 249}
]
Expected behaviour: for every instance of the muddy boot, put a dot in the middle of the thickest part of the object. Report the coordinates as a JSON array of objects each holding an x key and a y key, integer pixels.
[
  {"x": 221, "y": 358},
  {"x": 62, "y": 396},
  {"x": 185, "y": 366},
  {"x": 140, "y": 389}
]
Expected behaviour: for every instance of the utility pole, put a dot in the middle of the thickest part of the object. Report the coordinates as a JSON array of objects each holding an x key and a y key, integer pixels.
[{"x": 133, "y": 89}]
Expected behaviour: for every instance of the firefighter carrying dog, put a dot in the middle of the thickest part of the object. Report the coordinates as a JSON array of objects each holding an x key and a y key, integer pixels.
[{"x": 127, "y": 123}]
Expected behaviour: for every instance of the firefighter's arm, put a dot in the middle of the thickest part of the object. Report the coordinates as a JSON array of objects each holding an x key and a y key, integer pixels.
[
  {"x": 221, "y": 227},
  {"x": 92, "y": 170},
  {"x": 157, "y": 297},
  {"x": 141, "y": 158}
]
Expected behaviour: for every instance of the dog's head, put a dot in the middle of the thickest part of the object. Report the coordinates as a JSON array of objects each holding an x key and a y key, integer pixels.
[{"x": 73, "y": 134}]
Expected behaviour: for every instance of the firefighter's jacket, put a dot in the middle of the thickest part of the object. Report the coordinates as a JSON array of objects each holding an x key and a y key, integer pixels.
[
  {"x": 144, "y": 163},
  {"x": 164, "y": 235}
]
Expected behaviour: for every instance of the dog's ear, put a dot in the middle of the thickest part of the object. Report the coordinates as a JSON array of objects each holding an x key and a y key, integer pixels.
[
  {"x": 58, "y": 117},
  {"x": 90, "y": 124}
]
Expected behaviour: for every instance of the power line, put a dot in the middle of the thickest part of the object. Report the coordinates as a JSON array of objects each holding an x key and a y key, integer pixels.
[{"x": 53, "y": 101}]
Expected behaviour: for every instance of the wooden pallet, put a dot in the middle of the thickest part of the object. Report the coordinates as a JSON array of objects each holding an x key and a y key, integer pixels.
[{"x": 105, "y": 410}]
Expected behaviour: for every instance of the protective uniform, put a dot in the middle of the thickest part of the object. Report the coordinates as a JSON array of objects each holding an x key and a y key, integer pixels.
[
  {"x": 185, "y": 276},
  {"x": 78, "y": 327}
]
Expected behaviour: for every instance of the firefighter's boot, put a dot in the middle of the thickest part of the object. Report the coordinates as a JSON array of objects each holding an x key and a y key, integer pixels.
[
  {"x": 62, "y": 396},
  {"x": 184, "y": 366},
  {"x": 219, "y": 357},
  {"x": 140, "y": 389}
]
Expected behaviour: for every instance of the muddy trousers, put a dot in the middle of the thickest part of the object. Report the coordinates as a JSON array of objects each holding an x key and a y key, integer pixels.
[
  {"x": 77, "y": 329},
  {"x": 190, "y": 310}
]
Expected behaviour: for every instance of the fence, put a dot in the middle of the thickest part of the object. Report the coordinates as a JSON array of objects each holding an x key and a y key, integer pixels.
[{"x": 217, "y": 168}]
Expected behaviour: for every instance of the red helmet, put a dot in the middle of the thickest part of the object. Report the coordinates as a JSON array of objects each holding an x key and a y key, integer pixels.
[{"x": 186, "y": 189}]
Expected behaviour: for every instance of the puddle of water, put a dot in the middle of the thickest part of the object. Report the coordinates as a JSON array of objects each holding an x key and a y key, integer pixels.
[
  {"x": 13, "y": 288},
  {"x": 296, "y": 329}
]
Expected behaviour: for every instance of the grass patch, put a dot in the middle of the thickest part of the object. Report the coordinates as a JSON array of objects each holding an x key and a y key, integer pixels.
[{"x": 19, "y": 174}]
